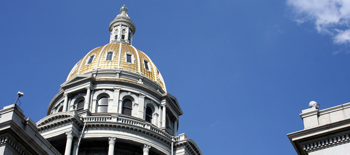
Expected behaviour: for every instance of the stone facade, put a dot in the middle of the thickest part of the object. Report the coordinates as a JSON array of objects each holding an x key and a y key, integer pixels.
[
  {"x": 325, "y": 131},
  {"x": 19, "y": 135}
]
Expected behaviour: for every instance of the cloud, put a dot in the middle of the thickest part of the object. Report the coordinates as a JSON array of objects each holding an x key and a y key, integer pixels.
[{"x": 330, "y": 17}]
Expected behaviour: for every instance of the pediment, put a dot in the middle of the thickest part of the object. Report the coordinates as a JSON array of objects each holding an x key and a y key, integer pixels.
[{"x": 76, "y": 79}]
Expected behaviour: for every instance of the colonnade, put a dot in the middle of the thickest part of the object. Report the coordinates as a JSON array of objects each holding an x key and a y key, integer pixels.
[{"x": 111, "y": 142}]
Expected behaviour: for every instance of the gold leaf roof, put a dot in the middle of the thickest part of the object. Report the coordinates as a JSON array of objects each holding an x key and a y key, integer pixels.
[{"x": 118, "y": 60}]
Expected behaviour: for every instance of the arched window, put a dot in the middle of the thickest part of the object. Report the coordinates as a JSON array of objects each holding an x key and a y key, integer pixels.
[
  {"x": 109, "y": 56},
  {"x": 127, "y": 107},
  {"x": 102, "y": 104},
  {"x": 80, "y": 105},
  {"x": 149, "y": 114}
]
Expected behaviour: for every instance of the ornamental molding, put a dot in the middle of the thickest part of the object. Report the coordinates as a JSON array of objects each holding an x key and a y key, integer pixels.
[
  {"x": 14, "y": 147},
  {"x": 58, "y": 119},
  {"x": 335, "y": 140},
  {"x": 189, "y": 144}
]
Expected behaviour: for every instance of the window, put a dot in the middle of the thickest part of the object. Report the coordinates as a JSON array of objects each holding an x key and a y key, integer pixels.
[
  {"x": 128, "y": 58},
  {"x": 123, "y": 36},
  {"x": 90, "y": 59},
  {"x": 116, "y": 37},
  {"x": 146, "y": 64},
  {"x": 109, "y": 56},
  {"x": 127, "y": 107},
  {"x": 102, "y": 104},
  {"x": 149, "y": 114},
  {"x": 80, "y": 105}
]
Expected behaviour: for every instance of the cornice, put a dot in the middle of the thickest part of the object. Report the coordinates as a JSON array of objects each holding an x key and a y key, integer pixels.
[{"x": 331, "y": 141}]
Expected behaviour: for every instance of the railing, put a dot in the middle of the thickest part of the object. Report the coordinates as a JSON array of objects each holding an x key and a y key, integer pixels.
[{"x": 126, "y": 120}]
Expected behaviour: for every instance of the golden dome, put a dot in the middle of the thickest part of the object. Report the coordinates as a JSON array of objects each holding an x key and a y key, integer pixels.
[{"x": 118, "y": 57}]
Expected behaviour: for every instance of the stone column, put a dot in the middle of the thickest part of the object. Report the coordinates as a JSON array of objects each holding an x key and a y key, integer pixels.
[
  {"x": 65, "y": 103},
  {"x": 87, "y": 102},
  {"x": 111, "y": 145},
  {"x": 146, "y": 149},
  {"x": 75, "y": 145},
  {"x": 164, "y": 114},
  {"x": 68, "y": 143}
]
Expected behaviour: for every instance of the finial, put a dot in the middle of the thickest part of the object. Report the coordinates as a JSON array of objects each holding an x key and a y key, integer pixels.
[
  {"x": 124, "y": 9},
  {"x": 314, "y": 104}
]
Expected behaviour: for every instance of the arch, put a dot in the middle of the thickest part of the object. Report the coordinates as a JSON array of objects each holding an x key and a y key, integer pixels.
[
  {"x": 132, "y": 97},
  {"x": 79, "y": 104},
  {"x": 127, "y": 107},
  {"x": 97, "y": 95},
  {"x": 75, "y": 100},
  {"x": 102, "y": 103}
]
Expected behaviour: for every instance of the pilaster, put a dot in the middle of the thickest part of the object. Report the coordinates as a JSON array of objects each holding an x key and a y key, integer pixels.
[
  {"x": 87, "y": 101},
  {"x": 65, "y": 103},
  {"x": 141, "y": 106},
  {"x": 115, "y": 104}
]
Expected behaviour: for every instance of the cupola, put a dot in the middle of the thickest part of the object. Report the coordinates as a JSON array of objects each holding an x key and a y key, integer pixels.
[{"x": 122, "y": 28}]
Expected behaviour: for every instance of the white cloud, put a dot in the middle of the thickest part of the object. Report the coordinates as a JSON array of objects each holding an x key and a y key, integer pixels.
[
  {"x": 342, "y": 37},
  {"x": 330, "y": 16}
]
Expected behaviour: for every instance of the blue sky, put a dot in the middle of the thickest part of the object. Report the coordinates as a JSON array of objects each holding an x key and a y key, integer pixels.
[{"x": 241, "y": 70}]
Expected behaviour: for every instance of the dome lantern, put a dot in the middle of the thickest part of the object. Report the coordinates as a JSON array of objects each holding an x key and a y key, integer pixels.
[{"x": 122, "y": 28}]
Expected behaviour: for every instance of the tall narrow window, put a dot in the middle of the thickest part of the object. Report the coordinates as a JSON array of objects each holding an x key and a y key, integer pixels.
[
  {"x": 80, "y": 105},
  {"x": 149, "y": 114},
  {"x": 109, "y": 56},
  {"x": 128, "y": 58},
  {"x": 90, "y": 59},
  {"x": 123, "y": 37},
  {"x": 127, "y": 107},
  {"x": 116, "y": 37},
  {"x": 146, "y": 64},
  {"x": 102, "y": 104}
]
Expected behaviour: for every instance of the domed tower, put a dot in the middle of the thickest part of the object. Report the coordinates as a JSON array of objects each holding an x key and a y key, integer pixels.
[{"x": 115, "y": 102}]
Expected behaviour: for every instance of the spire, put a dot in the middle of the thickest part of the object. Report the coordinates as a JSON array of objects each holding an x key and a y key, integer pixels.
[
  {"x": 122, "y": 28},
  {"x": 124, "y": 9}
]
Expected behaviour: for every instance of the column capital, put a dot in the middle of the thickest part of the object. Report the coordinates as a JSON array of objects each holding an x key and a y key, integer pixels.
[
  {"x": 111, "y": 145},
  {"x": 69, "y": 134},
  {"x": 112, "y": 139},
  {"x": 146, "y": 148}
]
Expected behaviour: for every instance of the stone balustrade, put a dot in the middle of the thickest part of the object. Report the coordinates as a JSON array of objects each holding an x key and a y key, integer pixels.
[{"x": 127, "y": 121}]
